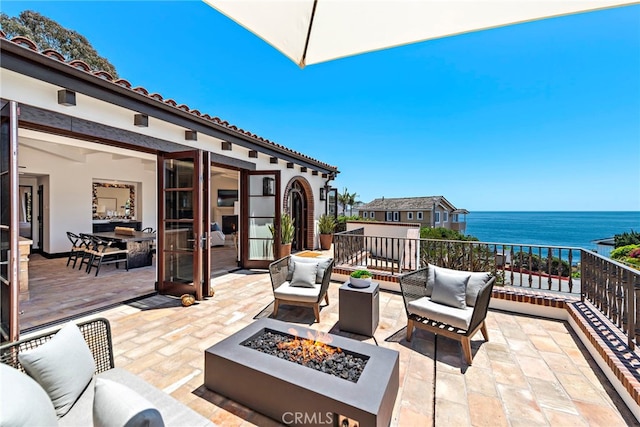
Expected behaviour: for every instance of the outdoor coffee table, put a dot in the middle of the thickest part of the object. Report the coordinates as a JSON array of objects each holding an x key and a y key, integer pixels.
[{"x": 359, "y": 309}]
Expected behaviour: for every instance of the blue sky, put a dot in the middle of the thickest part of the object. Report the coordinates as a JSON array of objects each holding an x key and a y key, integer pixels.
[{"x": 538, "y": 116}]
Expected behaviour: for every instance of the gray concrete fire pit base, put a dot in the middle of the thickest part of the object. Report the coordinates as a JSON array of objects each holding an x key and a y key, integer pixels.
[{"x": 297, "y": 395}]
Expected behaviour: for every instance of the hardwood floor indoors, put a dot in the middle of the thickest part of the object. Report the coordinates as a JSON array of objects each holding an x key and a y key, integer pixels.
[{"x": 58, "y": 292}]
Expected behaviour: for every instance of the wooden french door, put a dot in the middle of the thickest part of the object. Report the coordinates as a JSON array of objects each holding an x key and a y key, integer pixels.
[
  {"x": 260, "y": 214},
  {"x": 9, "y": 285},
  {"x": 183, "y": 219}
]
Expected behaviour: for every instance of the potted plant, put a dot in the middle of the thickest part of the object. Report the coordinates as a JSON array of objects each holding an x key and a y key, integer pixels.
[
  {"x": 287, "y": 231},
  {"x": 360, "y": 278},
  {"x": 326, "y": 226}
]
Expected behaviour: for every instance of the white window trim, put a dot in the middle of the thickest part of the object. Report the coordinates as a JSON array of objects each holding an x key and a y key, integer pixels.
[
  {"x": 437, "y": 217},
  {"x": 410, "y": 216},
  {"x": 419, "y": 216},
  {"x": 389, "y": 216},
  {"x": 396, "y": 216},
  {"x": 446, "y": 216}
]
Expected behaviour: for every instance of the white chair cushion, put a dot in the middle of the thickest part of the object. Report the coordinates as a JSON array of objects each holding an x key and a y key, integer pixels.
[
  {"x": 458, "y": 317},
  {"x": 450, "y": 289},
  {"x": 22, "y": 401},
  {"x": 304, "y": 274},
  {"x": 296, "y": 293},
  {"x": 63, "y": 366},
  {"x": 476, "y": 282},
  {"x": 117, "y": 405}
]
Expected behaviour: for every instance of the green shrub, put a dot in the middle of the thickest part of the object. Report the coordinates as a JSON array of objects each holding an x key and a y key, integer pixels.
[
  {"x": 536, "y": 263},
  {"x": 625, "y": 239},
  {"x": 442, "y": 233},
  {"x": 623, "y": 251}
]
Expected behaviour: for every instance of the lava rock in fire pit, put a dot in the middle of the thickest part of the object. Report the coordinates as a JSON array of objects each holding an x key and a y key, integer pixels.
[{"x": 309, "y": 353}]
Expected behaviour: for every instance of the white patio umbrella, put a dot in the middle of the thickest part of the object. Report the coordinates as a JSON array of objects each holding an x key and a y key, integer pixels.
[{"x": 313, "y": 31}]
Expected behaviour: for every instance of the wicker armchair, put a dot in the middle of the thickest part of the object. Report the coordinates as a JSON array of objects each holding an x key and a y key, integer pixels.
[
  {"x": 457, "y": 323},
  {"x": 281, "y": 271}
]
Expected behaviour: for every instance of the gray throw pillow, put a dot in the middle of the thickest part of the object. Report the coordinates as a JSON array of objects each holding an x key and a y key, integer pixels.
[
  {"x": 450, "y": 289},
  {"x": 116, "y": 405},
  {"x": 304, "y": 274},
  {"x": 22, "y": 401},
  {"x": 63, "y": 367},
  {"x": 476, "y": 282},
  {"x": 323, "y": 264}
]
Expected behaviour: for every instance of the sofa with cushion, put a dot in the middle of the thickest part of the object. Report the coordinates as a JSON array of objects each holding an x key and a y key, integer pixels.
[
  {"x": 68, "y": 378},
  {"x": 217, "y": 236},
  {"x": 447, "y": 302},
  {"x": 302, "y": 281}
]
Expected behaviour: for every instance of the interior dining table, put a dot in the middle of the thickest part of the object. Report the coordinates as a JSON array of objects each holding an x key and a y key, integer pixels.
[{"x": 138, "y": 243}]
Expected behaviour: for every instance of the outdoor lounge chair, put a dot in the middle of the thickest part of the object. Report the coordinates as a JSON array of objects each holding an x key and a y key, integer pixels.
[
  {"x": 451, "y": 303},
  {"x": 307, "y": 286}
]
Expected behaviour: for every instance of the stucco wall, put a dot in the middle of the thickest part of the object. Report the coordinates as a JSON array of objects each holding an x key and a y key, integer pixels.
[{"x": 69, "y": 204}]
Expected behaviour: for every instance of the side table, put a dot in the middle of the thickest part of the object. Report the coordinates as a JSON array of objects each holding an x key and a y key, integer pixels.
[{"x": 359, "y": 309}]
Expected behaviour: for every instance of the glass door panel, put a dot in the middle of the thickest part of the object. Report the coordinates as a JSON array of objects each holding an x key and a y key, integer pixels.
[
  {"x": 9, "y": 285},
  {"x": 262, "y": 200},
  {"x": 180, "y": 227}
]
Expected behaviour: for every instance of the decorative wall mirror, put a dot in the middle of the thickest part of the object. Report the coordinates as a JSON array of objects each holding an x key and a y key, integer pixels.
[{"x": 114, "y": 200}]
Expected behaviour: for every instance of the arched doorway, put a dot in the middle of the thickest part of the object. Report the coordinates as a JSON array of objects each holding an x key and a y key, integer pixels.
[{"x": 298, "y": 201}]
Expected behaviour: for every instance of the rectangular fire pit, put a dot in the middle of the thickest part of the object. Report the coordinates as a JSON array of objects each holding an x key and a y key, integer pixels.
[{"x": 299, "y": 395}]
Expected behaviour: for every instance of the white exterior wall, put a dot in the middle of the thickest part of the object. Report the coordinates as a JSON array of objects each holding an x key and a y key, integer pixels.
[{"x": 68, "y": 206}]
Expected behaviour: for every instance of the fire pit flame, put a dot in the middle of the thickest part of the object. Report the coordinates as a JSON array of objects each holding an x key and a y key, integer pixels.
[
  {"x": 313, "y": 352},
  {"x": 312, "y": 348}
]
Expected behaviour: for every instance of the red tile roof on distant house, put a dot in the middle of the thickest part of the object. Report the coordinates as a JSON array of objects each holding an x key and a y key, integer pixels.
[{"x": 81, "y": 65}]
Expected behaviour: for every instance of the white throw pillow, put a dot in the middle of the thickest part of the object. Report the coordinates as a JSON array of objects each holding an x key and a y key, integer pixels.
[
  {"x": 23, "y": 402},
  {"x": 116, "y": 405},
  {"x": 450, "y": 289},
  {"x": 63, "y": 367},
  {"x": 323, "y": 264},
  {"x": 476, "y": 282},
  {"x": 304, "y": 274}
]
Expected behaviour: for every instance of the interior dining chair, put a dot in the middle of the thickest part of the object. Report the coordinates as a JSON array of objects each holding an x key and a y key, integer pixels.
[
  {"x": 78, "y": 247},
  {"x": 104, "y": 252}
]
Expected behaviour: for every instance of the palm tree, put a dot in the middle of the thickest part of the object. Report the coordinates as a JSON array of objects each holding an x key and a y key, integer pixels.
[
  {"x": 352, "y": 201},
  {"x": 343, "y": 199}
]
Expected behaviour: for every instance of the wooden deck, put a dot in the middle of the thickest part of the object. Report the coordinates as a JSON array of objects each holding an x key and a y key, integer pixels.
[{"x": 59, "y": 292}]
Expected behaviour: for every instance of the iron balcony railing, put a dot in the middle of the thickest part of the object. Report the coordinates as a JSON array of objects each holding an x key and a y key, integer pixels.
[{"x": 610, "y": 286}]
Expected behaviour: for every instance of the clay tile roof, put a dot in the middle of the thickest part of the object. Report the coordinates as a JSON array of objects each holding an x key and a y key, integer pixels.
[
  {"x": 123, "y": 82},
  {"x": 104, "y": 75},
  {"x": 53, "y": 54},
  {"x": 81, "y": 65}
]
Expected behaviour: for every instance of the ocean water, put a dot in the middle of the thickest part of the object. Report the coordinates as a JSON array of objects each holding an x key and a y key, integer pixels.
[{"x": 577, "y": 229}]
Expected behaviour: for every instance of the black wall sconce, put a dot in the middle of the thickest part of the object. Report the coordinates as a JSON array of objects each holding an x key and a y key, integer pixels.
[
  {"x": 323, "y": 195},
  {"x": 268, "y": 186},
  {"x": 190, "y": 135},
  {"x": 141, "y": 120},
  {"x": 66, "y": 97}
]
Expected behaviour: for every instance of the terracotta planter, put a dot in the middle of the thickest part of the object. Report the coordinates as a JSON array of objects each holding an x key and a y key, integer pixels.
[
  {"x": 285, "y": 249},
  {"x": 325, "y": 241}
]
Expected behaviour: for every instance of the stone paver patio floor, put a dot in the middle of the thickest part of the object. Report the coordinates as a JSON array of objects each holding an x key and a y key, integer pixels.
[{"x": 532, "y": 372}]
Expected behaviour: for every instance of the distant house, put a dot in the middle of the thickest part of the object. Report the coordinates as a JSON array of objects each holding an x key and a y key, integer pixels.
[
  {"x": 432, "y": 211},
  {"x": 605, "y": 246}
]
